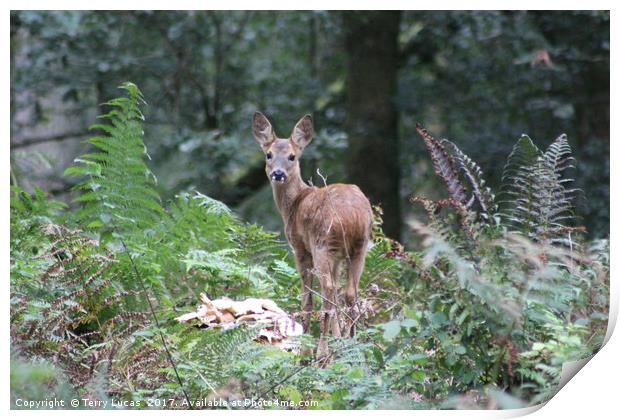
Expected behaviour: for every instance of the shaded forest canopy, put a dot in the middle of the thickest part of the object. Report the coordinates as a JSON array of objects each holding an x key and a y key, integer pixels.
[{"x": 482, "y": 78}]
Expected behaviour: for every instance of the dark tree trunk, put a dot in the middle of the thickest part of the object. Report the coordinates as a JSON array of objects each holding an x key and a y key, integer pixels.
[{"x": 372, "y": 123}]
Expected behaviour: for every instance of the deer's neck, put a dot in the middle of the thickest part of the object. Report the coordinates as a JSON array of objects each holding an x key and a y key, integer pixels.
[{"x": 287, "y": 195}]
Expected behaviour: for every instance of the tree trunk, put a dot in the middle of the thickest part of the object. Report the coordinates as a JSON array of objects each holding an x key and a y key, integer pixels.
[{"x": 372, "y": 123}]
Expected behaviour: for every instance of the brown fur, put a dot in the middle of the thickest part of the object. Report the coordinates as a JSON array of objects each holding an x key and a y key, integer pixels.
[{"x": 326, "y": 227}]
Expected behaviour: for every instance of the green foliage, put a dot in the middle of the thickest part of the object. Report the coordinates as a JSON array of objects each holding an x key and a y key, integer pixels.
[
  {"x": 206, "y": 358},
  {"x": 70, "y": 305},
  {"x": 29, "y": 213},
  {"x": 508, "y": 308},
  {"x": 349, "y": 380},
  {"x": 78, "y": 300},
  {"x": 541, "y": 366},
  {"x": 475, "y": 314},
  {"x": 39, "y": 383},
  {"x": 204, "y": 243}
]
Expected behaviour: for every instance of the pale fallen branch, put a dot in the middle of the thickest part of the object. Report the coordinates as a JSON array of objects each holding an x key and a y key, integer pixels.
[{"x": 277, "y": 326}]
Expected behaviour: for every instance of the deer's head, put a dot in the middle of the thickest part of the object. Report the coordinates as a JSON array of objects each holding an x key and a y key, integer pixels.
[{"x": 282, "y": 155}]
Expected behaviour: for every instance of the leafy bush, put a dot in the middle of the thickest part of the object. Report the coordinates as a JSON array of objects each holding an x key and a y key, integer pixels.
[{"x": 497, "y": 290}]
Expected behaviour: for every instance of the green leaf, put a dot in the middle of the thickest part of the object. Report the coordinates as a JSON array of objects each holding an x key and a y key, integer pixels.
[
  {"x": 462, "y": 317},
  {"x": 409, "y": 323},
  {"x": 459, "y": 349},
  {"x": 378, "y": 355},
  {"x": 439, "y": 319},
  {"x": 292, "y": 394},
  {"x": 418, "y": 358},
  {"x": 391, "y": 330},
  {"x": 418, "y": 375},
  {"x": 355, "y": 373},
  {"x": 143, "y": 333}
]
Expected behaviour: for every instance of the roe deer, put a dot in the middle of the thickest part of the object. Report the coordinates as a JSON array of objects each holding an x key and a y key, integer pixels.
[{"x": 324, "y": 226}]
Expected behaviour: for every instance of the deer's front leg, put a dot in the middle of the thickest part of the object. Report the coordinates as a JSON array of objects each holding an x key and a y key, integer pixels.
[{"x": 304, "y": 267}]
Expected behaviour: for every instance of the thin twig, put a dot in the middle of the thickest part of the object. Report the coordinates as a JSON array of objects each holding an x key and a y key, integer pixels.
[
  {"x": 324, "y": 298},
  {"x": 161, "y": 335}
]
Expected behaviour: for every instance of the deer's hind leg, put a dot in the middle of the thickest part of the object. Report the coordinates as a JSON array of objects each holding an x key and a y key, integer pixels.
[
  {"x": 324, "y": 267},
  {"x": 356, "y": 267},
  {"x": 335, "y": 277}
]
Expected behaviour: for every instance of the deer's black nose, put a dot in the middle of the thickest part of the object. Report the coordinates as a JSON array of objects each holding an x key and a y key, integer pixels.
[{"x": 278, "y": 175}]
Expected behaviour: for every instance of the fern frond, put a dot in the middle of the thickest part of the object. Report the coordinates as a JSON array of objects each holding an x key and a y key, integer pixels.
[
  {"x": 472, "y": 172},
  {"x": 441, "y": 225},
  {"x": 119, "y": 189},
  {"x": 379, "y": 267},
  {"x": 558, "y": 155},
  {"x": 536, "y": 201},
  {"x": 76, "y": 303},
  {"x": 518, "y": 184},
  {"x": 523, "y": 155},
  {"x": 208, "y": 356},
  {"x": 444, "y": 166}
]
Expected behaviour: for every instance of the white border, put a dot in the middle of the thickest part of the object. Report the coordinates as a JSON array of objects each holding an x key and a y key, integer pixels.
[
  {"x": 313, "y": 5},
  {"x": 592, "y": 394}
]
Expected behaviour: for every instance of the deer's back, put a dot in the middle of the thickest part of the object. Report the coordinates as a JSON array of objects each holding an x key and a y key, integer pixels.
[{"x": 338, "y": 216}]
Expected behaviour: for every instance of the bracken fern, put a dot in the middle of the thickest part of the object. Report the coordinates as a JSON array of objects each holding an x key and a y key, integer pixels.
[
  {"x": 118, "y": 190},
  {"x": 536, "y": 201}
]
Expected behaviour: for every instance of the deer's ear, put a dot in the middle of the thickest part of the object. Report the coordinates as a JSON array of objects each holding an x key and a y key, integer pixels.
[
  {"x": 262, "y": 130},
  {"x": 303, "y": 131}
]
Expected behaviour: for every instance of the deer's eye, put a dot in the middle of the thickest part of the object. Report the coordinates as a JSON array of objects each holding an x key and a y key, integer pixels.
[
  {"x": 269, "y": 155},
  {"x": 291, "y": 157}
]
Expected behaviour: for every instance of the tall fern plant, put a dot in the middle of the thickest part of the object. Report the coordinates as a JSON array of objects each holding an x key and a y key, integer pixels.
[
  {"x": 472, "y": 202},
  {"x": 119, "y": 196},
  {"x": 462, "y": 177},
  {"x": 536, "y": 197},
  {"x": 118, "y": 189},
  {"x": 537, "y": 201}
]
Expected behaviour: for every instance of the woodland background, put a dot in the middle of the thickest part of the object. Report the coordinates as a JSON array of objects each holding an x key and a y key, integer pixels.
[
  {"x": 477, "y": 288},
  {"x": 479, "y": 78}
]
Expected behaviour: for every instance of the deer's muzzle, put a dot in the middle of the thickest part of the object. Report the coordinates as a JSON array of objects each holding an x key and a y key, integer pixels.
[{"x": 278, "y": 176}]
